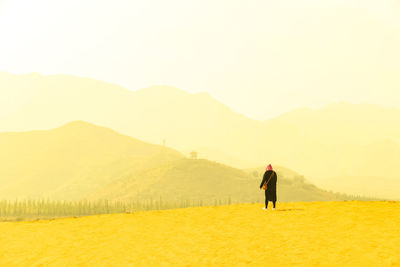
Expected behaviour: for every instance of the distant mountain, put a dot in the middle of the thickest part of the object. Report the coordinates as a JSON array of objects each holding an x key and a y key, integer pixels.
[
  {"x": 187, "y": 121},
  {"x": 152, "y": 114},
  {"x": 368, "y": 170},
  {"x": 346, "y": 124},
  {"x": 340, "y": 140},
  {"x": 359, "y": 150},
  {"x": 71, "y": 161},
  {"x": 83, "y": 161}
]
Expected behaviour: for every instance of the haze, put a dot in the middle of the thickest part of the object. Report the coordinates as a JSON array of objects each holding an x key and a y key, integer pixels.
[
  {"x": 240, "y": 84},
  {"x": 261, "y": 58}
]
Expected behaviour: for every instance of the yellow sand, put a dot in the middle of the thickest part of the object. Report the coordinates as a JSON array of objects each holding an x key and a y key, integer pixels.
[{"x": 297, "y": 234}]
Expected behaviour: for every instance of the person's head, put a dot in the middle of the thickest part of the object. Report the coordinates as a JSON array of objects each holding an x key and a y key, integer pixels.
[{"x": 269, "y": 167}]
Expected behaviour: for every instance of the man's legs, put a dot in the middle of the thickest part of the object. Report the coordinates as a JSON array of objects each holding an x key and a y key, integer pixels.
[{"x": 274, "y": 202}]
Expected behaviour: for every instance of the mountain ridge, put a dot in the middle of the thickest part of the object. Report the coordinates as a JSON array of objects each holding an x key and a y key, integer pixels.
[
  {"x": 83, "y": 161},
  {"x": 313, "y": 142}
]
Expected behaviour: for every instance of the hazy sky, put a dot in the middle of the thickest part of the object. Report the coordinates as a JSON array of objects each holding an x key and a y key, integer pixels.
[{"x": 261, "y": 58}]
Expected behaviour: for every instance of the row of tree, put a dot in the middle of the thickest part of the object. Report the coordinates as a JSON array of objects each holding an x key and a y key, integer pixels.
[{"x": 24, "y": 209}]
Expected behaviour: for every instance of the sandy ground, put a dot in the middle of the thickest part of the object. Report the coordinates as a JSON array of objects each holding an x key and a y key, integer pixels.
[{"x": 297, "y": 234}]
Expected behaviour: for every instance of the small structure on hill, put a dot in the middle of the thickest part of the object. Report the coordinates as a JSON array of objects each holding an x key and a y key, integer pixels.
[{"x": 193, "y": 155}]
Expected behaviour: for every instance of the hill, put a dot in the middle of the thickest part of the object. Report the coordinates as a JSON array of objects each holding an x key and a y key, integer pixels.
[
  {"x": 80, "y": 160},
  {"x": 151, "y": 114},
  {"x": 340, "y": 140},
  {"x": 71, "y": 161},
  {"x": 200, "y": 179},
  {"x": 360, "y": 146},
  {"x": 346, "y": 124},
  {"x": 308, "y": 234}
]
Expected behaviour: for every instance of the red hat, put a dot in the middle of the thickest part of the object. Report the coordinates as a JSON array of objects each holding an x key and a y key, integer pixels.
[{"x": 269, "y": 167}]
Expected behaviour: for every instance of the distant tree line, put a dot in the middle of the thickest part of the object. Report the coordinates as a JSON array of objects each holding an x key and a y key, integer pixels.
[
  {"x": 47, "y": 209},
  {"x": 31, "y": 209}
]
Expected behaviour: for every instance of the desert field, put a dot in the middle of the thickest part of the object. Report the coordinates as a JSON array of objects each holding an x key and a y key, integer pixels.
[{"x": 296, "y": 234}]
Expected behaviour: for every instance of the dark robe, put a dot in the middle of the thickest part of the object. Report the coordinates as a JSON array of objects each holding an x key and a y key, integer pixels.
[{"x": 270, "y": 193}]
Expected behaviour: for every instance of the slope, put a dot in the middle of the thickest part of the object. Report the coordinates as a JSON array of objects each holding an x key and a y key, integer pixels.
[
  {"x": 71, "y": 161},
  {"x": 199, "y": 179}
]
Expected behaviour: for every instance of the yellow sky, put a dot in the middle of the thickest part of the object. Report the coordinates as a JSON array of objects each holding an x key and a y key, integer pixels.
[{"x": 261, "y": 58}]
